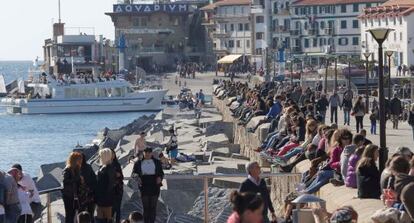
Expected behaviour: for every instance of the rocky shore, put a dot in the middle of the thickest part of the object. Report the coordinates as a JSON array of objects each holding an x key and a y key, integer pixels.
[{"x": 208, "y": 140}]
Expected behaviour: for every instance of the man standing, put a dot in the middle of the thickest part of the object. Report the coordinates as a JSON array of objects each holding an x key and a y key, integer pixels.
[
  {"x": 27, "y": 182},
  {"x": 150, "y": 175},
  {"x": 322, "y": 106},
  {"x": 347, "y": 107},
  {"x": 395, "y": 110},
  {"x": 254, "y": 184},
  {"x": 334, "y": 102},
  {"x": 140, "y": 145},
  {"x": 12, "y": 206}
]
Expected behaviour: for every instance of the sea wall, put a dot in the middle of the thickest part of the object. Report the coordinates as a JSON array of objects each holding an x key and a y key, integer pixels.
[{"x": 335, "y": 197}]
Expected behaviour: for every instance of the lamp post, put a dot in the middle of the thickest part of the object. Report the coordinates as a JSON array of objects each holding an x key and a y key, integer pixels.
[
  {"x": 389, "y": 54},
  {"x": 326, "y": 76},
  {"x": 380, "y": 35},
  {"x": 336, "y": 73},
  {"x": 366, "y": 55},
  {"x": 349, "y": 74}
]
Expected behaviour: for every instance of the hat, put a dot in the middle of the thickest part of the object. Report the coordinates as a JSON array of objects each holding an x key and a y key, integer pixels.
[
  {"x": 341, "y": 216},
  {"x": 405, "y": 151},
  {"x": 148, "y": 149}
]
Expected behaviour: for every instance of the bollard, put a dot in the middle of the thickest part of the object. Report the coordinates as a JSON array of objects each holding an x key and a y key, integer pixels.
[{"x": 48, "y": 206}]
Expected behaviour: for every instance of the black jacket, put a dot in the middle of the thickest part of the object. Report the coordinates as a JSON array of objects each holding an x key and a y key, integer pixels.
[
  {"x": 105, "y": 188},
  {"x": 149, "y": 185},
  {"x": 368, "y": 181},
  {"x": 249, "y": 186},
  {"x": 322, "y": 104},
  {"x": 71, "y": 183},
  {"x": 395, "y": 106}
]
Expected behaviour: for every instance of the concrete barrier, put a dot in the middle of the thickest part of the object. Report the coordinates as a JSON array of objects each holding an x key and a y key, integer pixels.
[{"x": 336, "y": 197}]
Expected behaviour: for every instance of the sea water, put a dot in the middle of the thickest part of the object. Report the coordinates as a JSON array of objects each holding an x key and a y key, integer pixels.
[{"x": 32, "y": 140}]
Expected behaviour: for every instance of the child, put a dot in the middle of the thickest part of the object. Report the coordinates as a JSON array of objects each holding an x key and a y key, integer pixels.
[{"x": 373, "y": 118}]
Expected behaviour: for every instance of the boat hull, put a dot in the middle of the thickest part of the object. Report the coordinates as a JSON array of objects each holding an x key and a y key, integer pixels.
[{"x": 144, "y": 101}]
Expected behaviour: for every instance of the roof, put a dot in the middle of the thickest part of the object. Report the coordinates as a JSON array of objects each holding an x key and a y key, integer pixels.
[
  {"x": 333, "y": 2},
  {"x": 225, "y": 3},
  {"x": 392, "y": 8},
  {"x": 229, "y": 59}
]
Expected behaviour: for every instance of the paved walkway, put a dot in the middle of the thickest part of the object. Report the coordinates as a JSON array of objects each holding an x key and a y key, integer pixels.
[{"x": 395, "y": 138}]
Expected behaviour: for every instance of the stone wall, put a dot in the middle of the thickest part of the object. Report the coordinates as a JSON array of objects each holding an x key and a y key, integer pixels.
[{"x": 281, "y": 186}]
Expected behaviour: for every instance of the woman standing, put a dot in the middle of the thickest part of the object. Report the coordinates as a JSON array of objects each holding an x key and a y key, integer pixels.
[
  {"x": 87, "y": 187},
  {"x": 26, "y": 214},
  {"x": 368, "y": 175},
  {"x": 106, "y": 184},
  {"x": 247, "y": 208},
  {"x": 411, "y": 118},
  {"x": 119, "y": 188},
  {"x": 71, "y": 182},
  {"x": 359, "y": 112}
]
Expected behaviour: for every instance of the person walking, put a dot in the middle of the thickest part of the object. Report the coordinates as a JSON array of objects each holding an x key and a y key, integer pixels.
[
  {"x": 26, "y": 181},
  {"x": 26, "y": 214},
  {"x": 172, "y": 146},
  {"x": 255, "y": 184},
  {"x": 106, "y": 179},
  {"x": 71, "y": 183},
  {"x": 395, "y": 110},
  {"x": 411, "y": 118},
  {"x": 347, "y": 107},
  {"x": 373, "y": 118},
  {"x": 359, "y": 112},
  {"x": 334, "y": 102},
  {"x": 150, "y": 175},
  {"x": 118, "y": 189}
]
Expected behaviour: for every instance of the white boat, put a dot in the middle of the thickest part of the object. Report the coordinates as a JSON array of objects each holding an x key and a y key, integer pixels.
[{"x": 59, "y": 97}]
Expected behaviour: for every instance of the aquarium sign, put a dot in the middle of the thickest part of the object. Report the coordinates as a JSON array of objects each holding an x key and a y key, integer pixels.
[{"x": 146, "y": 8}]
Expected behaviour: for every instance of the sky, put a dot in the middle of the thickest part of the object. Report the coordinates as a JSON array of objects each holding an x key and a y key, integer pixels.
[{"x": 26, "y": 24}]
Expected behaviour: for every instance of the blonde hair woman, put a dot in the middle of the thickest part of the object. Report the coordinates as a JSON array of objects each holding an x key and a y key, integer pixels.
[{"x": 106, "y": 181}]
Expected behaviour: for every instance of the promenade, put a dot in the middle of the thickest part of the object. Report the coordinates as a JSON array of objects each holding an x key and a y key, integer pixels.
[{"x": 395, "y": 137}]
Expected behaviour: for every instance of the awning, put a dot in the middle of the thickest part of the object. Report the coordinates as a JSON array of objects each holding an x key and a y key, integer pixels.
[{"x": 229, "y": 58}]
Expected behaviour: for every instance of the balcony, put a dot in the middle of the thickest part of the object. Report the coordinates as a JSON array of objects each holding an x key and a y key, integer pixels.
[
  {"x": 281, "y": 12},
  {"x": 296, "y": 49},
  {"x": 312, "y": 32},
  {"x": 295, "y": 32},
  {"x": 329, "y": 31},
  {"x": 281, "y": 29},
  {"x": 221, "y": 34}
]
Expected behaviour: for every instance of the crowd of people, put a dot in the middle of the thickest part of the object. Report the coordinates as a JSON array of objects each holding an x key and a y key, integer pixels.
[{"x": 297, "y": 131}]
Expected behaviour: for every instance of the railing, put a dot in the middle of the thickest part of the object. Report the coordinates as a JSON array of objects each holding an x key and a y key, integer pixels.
[{"x": 203, "y": 177}]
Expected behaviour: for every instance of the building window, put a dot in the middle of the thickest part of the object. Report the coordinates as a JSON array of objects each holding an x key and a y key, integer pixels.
[
  {"x": 386, "y": 21},
  {"x": 343, "y": 41},
  {"x": 355, "y": 41},
  {"x": 240, "y": 26},
  {"x": 365, "y": 22},
  {"x": 368, "y": 5},
  {"x": 306, "y": 25},
  {"x": 372, "y": 22},
  {"x": 401, "y": 38},
  {"x": 259, "y": 51},
  {"x": 395, "y": 36},
  {"x": 246, "y": 27},
  {"x": 343, "y": 8},
  {"x": 234, "y": 10},
  {"x": 322, "y": 25},
  {"x": 225, "y": 27},
  {"x": 379, "y": 21},
  {"x": 322, "y": 42},
  {"x": 231, "y": 43},
  {"x": 306, "y": 43},
  {"x": 275, "y": 8},
  {"x": 296, "y": 11},
  {"x": 315, "y": 42},
  {"x": 356, "y": 7},
  {"x": 395, "y": 21},
  {"x": 343, "y": 24},
  {"x": 259, "y": 35},
  {"x": 400, "y": 20},
  {"x": 248, "y": 43},
  {"x": 355, "y": 24},
  {"x": 315, "y": 9},
  {"x": 231, "y": 27},
  {"x": 260, "y": 19},
  {"x": 238, "y": 43}
]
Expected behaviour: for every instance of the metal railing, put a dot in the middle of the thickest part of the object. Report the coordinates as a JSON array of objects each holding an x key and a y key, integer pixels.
[{"x": 204, "y": 177}]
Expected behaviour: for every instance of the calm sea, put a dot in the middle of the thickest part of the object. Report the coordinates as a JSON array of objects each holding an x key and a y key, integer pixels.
[{"x": 32, "y": 140}]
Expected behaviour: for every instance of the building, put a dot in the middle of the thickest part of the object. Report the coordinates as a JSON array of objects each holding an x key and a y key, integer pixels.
[
  {"x": 158, "y": 35},
  {"x": 322, "y": 27},
  {"x": 229, "y": 27},
  {"x": 397, "y": 15},
  {"x": 75, "y": 52}
]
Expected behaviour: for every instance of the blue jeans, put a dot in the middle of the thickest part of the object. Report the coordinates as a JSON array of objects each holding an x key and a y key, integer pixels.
[
  {"x": 269, "y": 140},
  {"x": 321, "y": 179},
  {"x": 374, "y": 127},
  {"x": 323, "y": 115},
  {"x": 347, "y": 116},
  {"x": 292, "y": 153}
]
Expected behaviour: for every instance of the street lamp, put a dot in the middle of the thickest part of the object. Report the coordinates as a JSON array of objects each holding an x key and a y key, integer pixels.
[
  {"x": 336, "y": 73},
  {"x": 380, "y": 35},
  {"x": 366, "y": 55},
  {"x": 326, "y": 76},
  {"x": 389, "y": 54}
]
